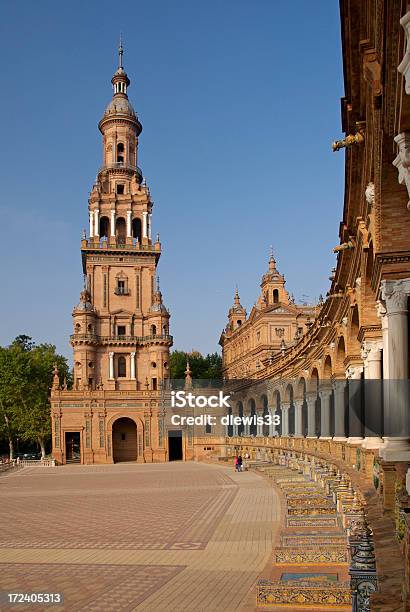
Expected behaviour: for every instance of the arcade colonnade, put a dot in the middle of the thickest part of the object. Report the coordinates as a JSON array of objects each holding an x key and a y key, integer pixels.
[{"x": 361, "y": 399}]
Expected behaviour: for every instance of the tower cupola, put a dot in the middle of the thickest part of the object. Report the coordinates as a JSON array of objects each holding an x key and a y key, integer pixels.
[
  {"x": 237, "y": 313},
  {"x": 273, "y": 285}
]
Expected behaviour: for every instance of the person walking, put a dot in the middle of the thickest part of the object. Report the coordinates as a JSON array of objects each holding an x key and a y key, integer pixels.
[
  {"x": 235, "y": 462},
  {"x": 240, "y": 463},
  {"x": 246, "y": 462}
]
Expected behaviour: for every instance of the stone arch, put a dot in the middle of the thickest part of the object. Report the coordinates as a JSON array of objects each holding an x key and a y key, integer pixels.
[
  {"x": 122, "y": 415},
  {"x": 136, "y": 229},
  {"x": 340, "y": 354},
  {"x": 124, "y": 440},
  {"x": 111, "y": 436},
  {"x": 104, "y": 227},
  {"x": 354, "y": 327},
  {"x": 313, "y": 381},
  {"x": 120, "y": 230},
  {"x": 327, "y": 369}
]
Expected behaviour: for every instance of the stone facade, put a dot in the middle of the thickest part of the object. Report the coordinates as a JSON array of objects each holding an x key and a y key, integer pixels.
[
  {"x": 121, "y": 335},
  {"x": 274, "y": 324}
]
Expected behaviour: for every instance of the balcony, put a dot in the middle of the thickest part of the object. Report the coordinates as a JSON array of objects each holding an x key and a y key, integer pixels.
[
  {"x": 122, "y": 168},
  {"x": 121, "y": 340},
  {"x": 122, "y": 291},
  {"x": 118, "y": 244}
]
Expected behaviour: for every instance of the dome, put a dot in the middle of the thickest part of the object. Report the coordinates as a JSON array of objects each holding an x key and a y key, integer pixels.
[
  {"x": 85, "y": 304},
  {"x": 158, "y": 308},
  {"x": 120, "y": 105}
]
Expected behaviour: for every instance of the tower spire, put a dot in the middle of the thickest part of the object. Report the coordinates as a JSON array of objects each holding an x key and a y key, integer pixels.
[
  {"x": 272, "y": 262},
  {"x": 120, "y": 52}
]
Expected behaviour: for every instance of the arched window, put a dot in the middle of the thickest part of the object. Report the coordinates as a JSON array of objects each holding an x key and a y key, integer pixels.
[
  {"x": 238, "y": 323},
  {"x": 120, "y": 153},
  {"x": 136, "y": 228},
  {"x": 104, "y": 227},
  {"x": 120, "y": 230},
  {"x": 122, "y": 367},
  {"x": 153, "y": 330},
  {"x": 275, "y": 296}
]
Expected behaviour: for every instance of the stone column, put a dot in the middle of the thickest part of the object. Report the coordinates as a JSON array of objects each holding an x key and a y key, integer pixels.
[
  {"x": 144, "y": 224},
  {"x": 311, "y": 404},
  {"x": 396, "y": 445},
  {"x": 259, "y": 426},
  {"x": 371, "y": 354},
  {"x": 129, "y": 234},
  {"x": 325, "y": 413},
  {"x": 132, "y": 365},
  {"x": 381, "y": 312},
  {"x": 354, "y": 376},
  {"x": 272, "y": 426},
  {"x": 298, "y": 417},
  {"x": 246, "y": 427},
  {"x": 395, "y": 294},
  {"x": 96, "y": 222},
  {"x": 111, "y": 365},
  {"x": 235, "y": 427},
  {"x": 149, "y": 226},
  {"x": 285, "y": 418},
  {"x": 91, "y": 215},
  {"x": 112, "y": 224},
  {"x": 340, "y": 410}
]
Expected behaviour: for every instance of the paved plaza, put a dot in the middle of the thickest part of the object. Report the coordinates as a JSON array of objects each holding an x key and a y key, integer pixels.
[{"x": 160, "y": 537}]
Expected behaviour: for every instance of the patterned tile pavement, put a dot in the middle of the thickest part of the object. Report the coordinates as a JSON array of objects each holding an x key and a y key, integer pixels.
[{"x": 164, "y": 537}]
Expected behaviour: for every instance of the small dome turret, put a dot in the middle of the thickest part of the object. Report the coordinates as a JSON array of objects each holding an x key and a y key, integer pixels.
[{"x": 120, "y": 107}]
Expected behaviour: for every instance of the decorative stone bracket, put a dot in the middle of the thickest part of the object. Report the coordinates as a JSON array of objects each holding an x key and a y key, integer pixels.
[
  {"x": 402, "y": 161},
  {"x": 404, "y": 66}
]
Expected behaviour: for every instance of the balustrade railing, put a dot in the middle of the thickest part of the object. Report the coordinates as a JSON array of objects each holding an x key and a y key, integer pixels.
[
  {"x": 121, "y": 338},
  {"x": 118, "y": 244}
]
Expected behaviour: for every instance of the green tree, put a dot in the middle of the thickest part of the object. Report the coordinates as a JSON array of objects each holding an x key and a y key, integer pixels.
[
  {"x": 177, "y": 364},
  {"x": 26, "y": 374},
  {"x": 14, "y": 371},
  {"x": 35, "y": 418},
  {"x": 208, "y": 367}
]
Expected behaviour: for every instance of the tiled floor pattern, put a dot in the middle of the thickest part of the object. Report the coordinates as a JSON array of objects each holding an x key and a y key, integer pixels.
[
  {"x": 162, "y": 538},
  {"x": 305, "y": 534}
]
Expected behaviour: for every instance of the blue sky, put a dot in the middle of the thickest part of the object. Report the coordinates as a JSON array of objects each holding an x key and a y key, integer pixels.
[{"x": 239, "y": 104}]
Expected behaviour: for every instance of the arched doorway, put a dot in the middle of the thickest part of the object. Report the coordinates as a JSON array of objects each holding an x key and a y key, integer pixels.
[{"x": 124, "y": 440}]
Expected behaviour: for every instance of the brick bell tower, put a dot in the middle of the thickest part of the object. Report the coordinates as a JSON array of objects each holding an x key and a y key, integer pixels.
[{"x": 121, "y": 335}]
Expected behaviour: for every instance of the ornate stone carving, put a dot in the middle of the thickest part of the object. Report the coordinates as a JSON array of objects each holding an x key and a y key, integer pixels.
[
  {"x": 404, "y": 66},
  {"x": 395, "y": 294},
  {"x": 402, "y": 161},
  {"x": 369, "y": 193}
]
